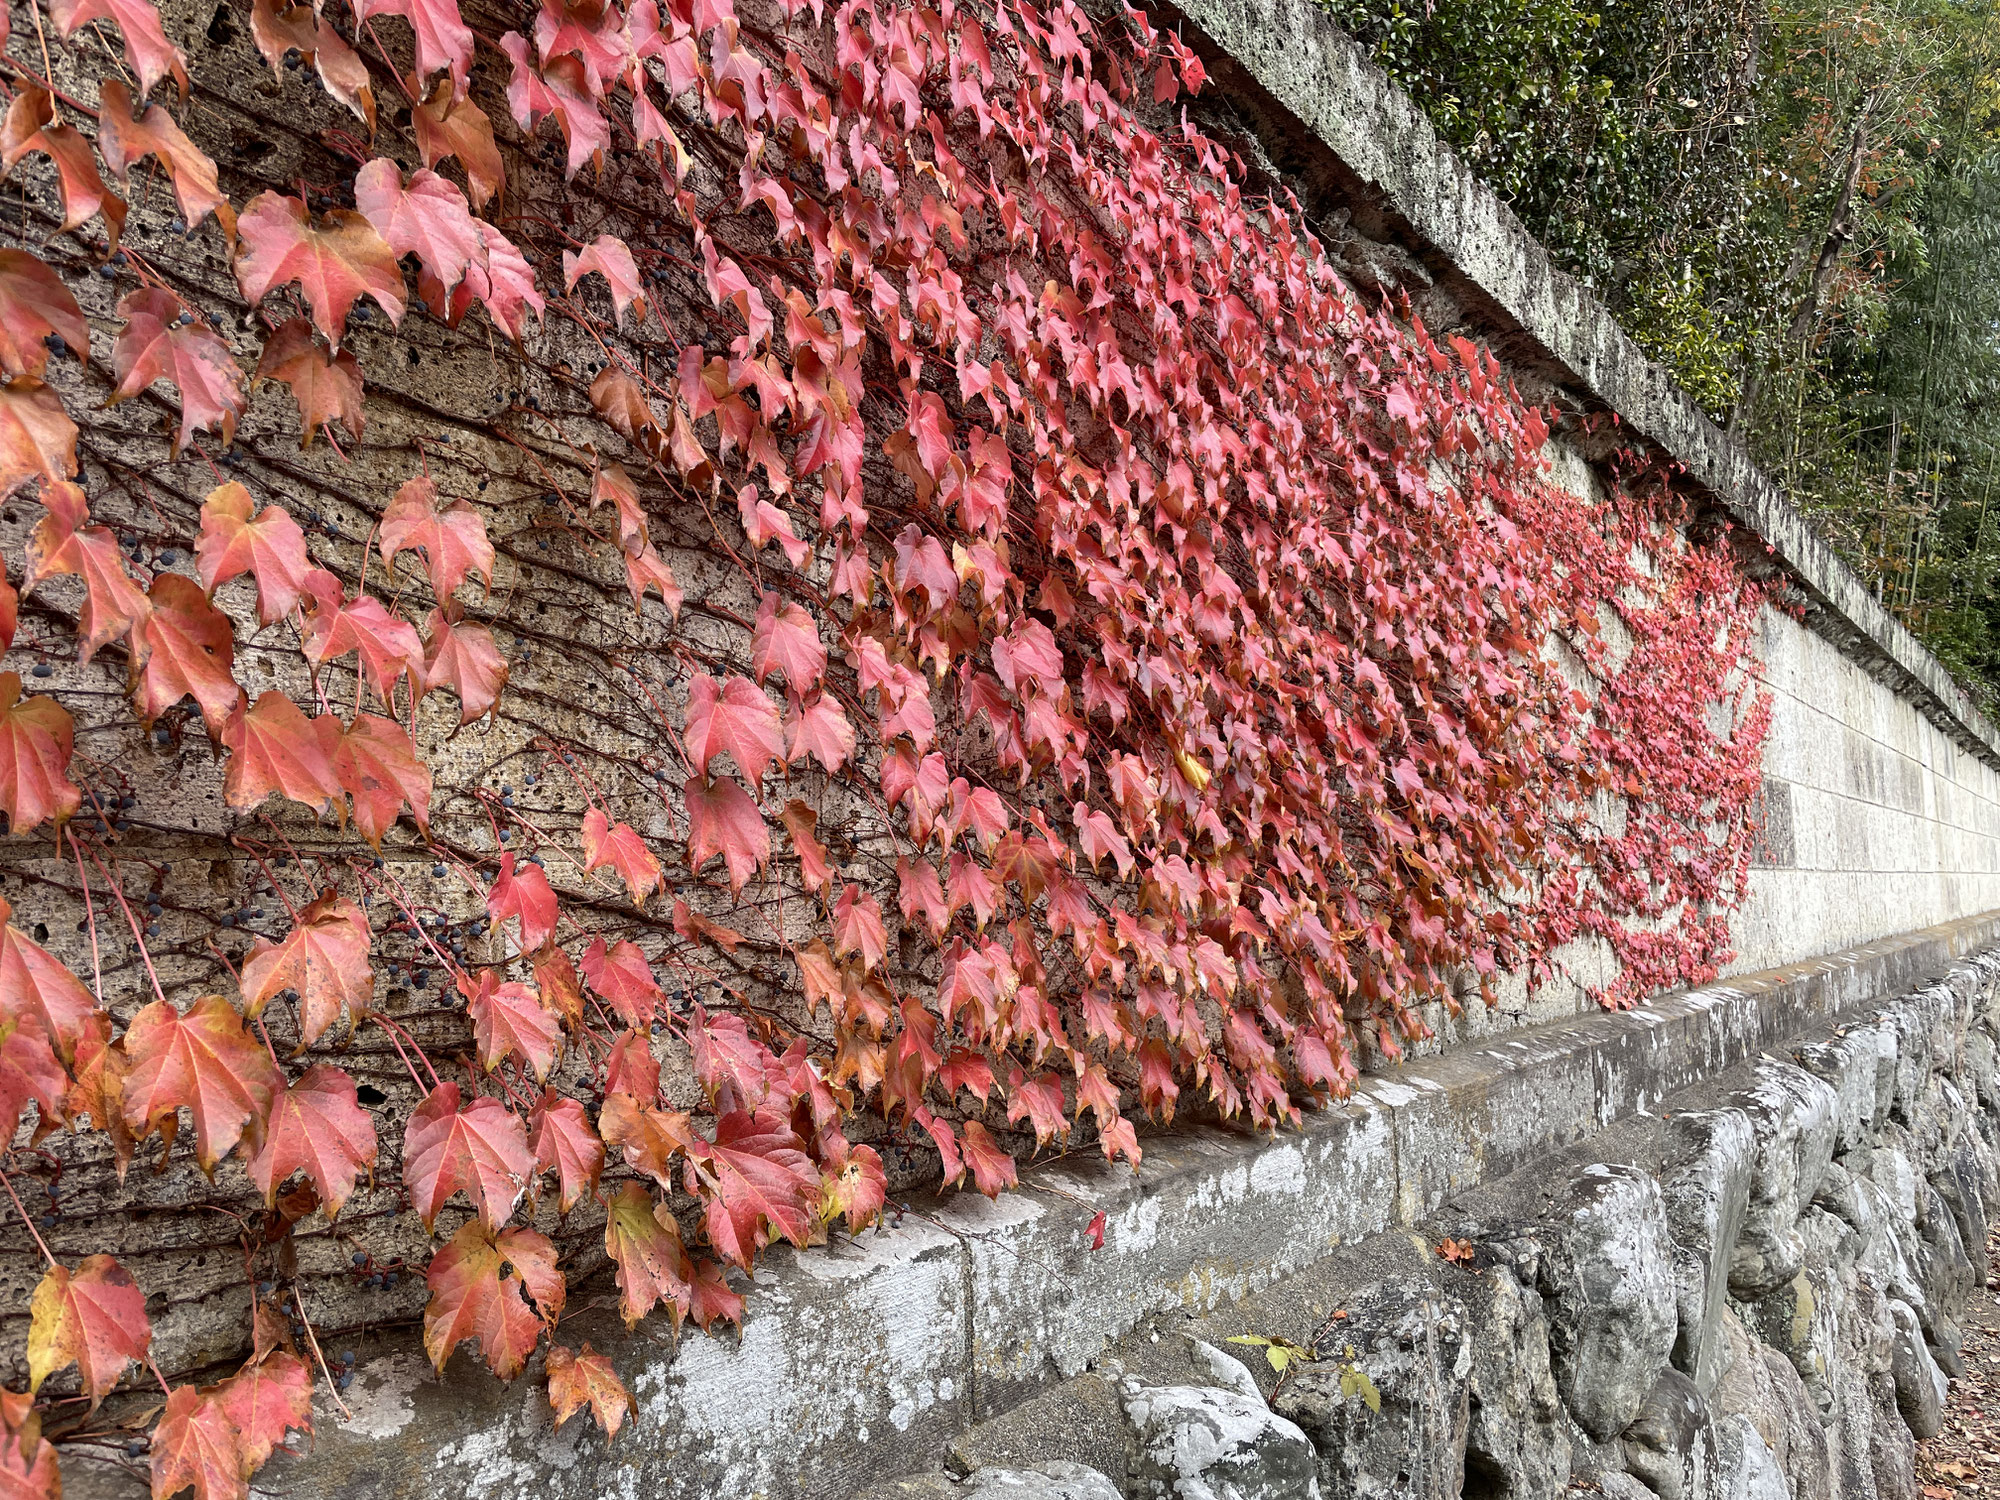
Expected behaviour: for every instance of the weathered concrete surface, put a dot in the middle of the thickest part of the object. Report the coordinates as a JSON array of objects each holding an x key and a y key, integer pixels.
[
  {"x": 866, "y": 1358},
  {"x": 1526, "y": 1340}
]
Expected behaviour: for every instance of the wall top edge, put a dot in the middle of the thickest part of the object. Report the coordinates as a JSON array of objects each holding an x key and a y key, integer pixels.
[{"x": 1323, "y": 111}]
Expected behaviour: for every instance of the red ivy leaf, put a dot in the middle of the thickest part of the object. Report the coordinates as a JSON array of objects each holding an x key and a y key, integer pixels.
[
  {"x": 722, "y": 819},
  {"x": 479, "y": 1148},
  {"x": 318, "y": 1127}
]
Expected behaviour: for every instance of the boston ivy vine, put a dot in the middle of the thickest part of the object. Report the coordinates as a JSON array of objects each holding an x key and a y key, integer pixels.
[{"x": 1116, "y": 663}]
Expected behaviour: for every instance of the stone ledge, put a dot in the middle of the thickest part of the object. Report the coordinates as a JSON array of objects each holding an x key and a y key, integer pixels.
[
  {"x": 1327, "y": 116},
  {"x": 864, "y": 1359}
]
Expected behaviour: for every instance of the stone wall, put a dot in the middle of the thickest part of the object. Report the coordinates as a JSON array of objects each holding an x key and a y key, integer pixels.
[
  {"x": 996, "y": 1334},
  {"x": 1752, "y": 1292}
]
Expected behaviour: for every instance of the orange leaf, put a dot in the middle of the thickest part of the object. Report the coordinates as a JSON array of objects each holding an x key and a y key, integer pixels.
[
  {"x": 265, "y": 1400},
  {"x": 622, "y": 976},
  {"x": 204, "y": 1061},
  {"x": 376, "y": 763},
  {"x": 195, "y": 1443},
  {"x": 93, "y": 1318},
  {"x": 470, "y": 1297},
  {"x": 480, "y": 1148},
  {"x": 271, "y": 547},
  {"x": 318, "y": 1127},
  {"x": 183, "y": 648},
  {"x": 334, "y": 261},
  {"x": 275, "y": 748},
  {"x": 336, "y": 625},
  {"x": 619, "y": 846},
  {"x": 452, "y": 539},
  {"x": 156, "y": 344},
  {"x": 722, "y": 819},
  {"x": 64, "y": 542},
  {"x": 327, "y": 386},
  {"x": 324, "y": 958},
  {"x": 576, "y": 1381},
  {"x": 33, "y": 304},
  {"x": 508, "y": 1020},
  {"x": 35, "y": 738},
  {"x": 147, "y": 49},
  {"x": 447, "y": 126},
  {"x": 464, "y": 659},
  {"x": 644, "y": 1242},
  {"x": 126, "y": 141},
  {"x": 31, "y": 126},
  {"x": 37, "y": 993},
  {"x": 340, "y": 68}
]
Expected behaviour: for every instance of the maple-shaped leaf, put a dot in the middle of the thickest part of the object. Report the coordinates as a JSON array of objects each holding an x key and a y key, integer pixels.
[
  {"x": 29, "y": 1073},
  {"x": 714, "y": 1300},
  {"x": 317, "y": 1126},
  {"x": 630, "y": 1067},
  {"x": 617, "y": 398},
  {"x": 802, "y": 823},
  {"x": 377, "y": 766},
  {"x": 646, "y": 570},
  {"x": 335, "y": 261},
  {"x": 37, "y": 993},
  {"x": 733, "y": 716},
  {"x": 236, "y": 538},
  {"x": 500, "y": 280},
  {"x": 650, "y": 1138},
  {"x": 611, "y": 258},
  {"x": 446, "y": 126},
  {"x": 156, "y": 345},
  {"x": 587, "y": 1379},
  {"x": 126, "y": 141},
  {"x": 326, "y": 385},
  {"x": 555, "y": 977},
  {"x": 480, "y": 1148},
  {"x": 37, "y": 438},
  {"x": 28, "y": 1468},
  {"x": 853, "y": 1184},
  {"x": 278, "y": 30},
  {"x": 644, "y": 1242},
  {"x": 465, "y": 659},
  {"x": 444, "y": 41},
  {"x": 992, "y": 1168},
  {"x": 204, "y": 1061},
  {"x": 522, "y": 891},
  {"x": 452, "y": 538},
  {"x": 275, "y": 748},
  {"x": 723, "y": 819},
  {"x": 34, "y": 303},
  {"x": 183, "y": 648},
  {"x": 758, "y": 1183},
  {"x": 35, "y": 739},
  {"x": 147, "y": 49},
  {"x": 429, "y": 219},
  {"x": 786, "y": 640},
  {"x": 31, "y": 126},
  {"x": 622, "y": 976},
  {"x": 98, "y": 1089},
  {"x": 566, "y": 1144},
  {"x": 487, "y": 1287},
  {"x": 323, "y": 959},
  {"x": 94, "y": 1318},
  {"x": 691, "y": 924},
  {"x": 509, "y": 1021},
  {"x": 763, "y": 523},
  {"x": 613, "y": 485},
  {"x": 337, "y": 624},
  {"x": 736, "y": 1070},
  {"x": 619, "y": 846},
  {"x": 857, "y": 927},
  {"x": 63, "y": 541},
  {"x": 265, "y": 1400},
  {"x": 820, "y": 729},
  {"x": 195, "y": 1444}
]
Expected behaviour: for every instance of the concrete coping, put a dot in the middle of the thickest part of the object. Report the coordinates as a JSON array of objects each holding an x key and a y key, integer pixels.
[
  {"x": 863, "y": 1358},
  {"x": 1329, "y": 118}
]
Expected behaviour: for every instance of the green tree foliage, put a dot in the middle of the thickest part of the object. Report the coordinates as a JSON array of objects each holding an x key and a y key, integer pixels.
[{"x": 1795, "y": 206}]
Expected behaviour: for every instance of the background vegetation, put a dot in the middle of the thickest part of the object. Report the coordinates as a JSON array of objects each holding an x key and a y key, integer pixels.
[{"x": 1793, "y": 204}]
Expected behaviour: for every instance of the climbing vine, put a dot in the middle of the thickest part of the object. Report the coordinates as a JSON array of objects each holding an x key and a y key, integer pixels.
[{"x": 1037, "y": 651}]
